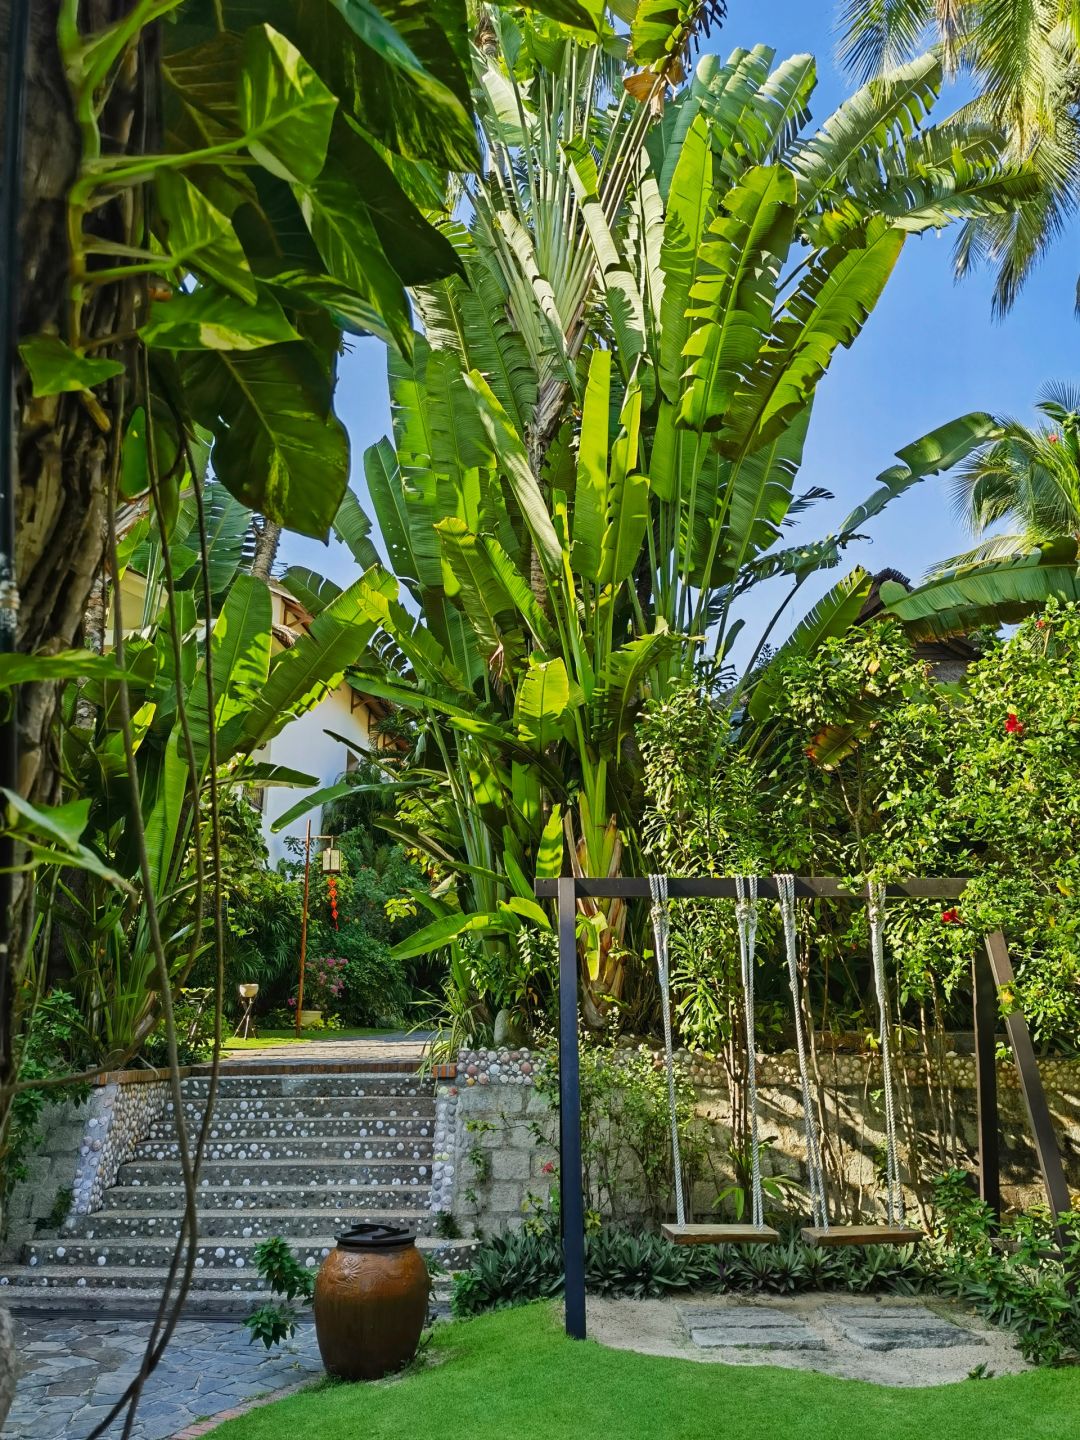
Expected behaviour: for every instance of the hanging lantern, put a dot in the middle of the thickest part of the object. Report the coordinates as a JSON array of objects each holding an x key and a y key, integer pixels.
[{"x": 331, "y": 862}]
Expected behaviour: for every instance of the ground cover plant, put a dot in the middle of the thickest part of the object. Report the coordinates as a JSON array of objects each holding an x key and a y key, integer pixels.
[{"x": 515, "y": 1374}]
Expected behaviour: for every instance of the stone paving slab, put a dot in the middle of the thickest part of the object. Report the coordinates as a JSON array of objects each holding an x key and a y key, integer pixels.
[
  {"x": 753, "y": 1327},
  {"x": 872, "y": 1327},
  {"x": 72, "y": 1372}
]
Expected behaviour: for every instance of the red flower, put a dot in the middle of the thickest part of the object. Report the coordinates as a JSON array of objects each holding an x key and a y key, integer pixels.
[
  {"x": 548, "y": 1167},
  {"x": 1013, "y": 724},
  {"x": 1053, "y": 437},
  {"x": 1040, "y": 624},
  {"x": 951, "y": 917}
]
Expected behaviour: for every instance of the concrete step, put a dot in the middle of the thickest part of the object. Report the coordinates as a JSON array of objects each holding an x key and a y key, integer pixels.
[
  {"x": 385, "y": 1206},
  {"x": 134, "y": 1291},
  {"x": 292, "y": 1147},
  {"x": 249, "y": 1195},
  {"x": 356, "y": 1086},
  {"x": 222, "y": 1263},
  {"x": 276, "y": 1126},
  {"x": 280, "y": 1172},
  {"x": 366, "y": 1111}
]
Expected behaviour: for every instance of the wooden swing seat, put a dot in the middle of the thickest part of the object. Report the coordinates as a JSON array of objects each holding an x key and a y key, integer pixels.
[
  {"x": 861, "y": 1235},
  {"x": 721, "y": 1234}
]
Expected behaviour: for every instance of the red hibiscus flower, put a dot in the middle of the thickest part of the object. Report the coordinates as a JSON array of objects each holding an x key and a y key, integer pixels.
[
  {"x": 1053, "y": 437},
  {"x": 1013, "y": 724},
  {"x": 548, "y": 1167},
  {"x": 951, "y": 917}
]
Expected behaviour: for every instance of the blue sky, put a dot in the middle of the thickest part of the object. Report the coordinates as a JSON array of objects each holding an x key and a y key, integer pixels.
[{"x": 930, "y": 351}]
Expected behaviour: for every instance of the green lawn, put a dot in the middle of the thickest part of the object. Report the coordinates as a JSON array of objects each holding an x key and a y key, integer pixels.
[
  {"x": 514, "y": 1376},
  {"x": 306, "y": 1037}
]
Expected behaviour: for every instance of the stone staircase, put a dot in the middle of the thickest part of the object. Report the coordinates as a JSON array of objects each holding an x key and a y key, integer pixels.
[{"x": 303, "y": 1156}]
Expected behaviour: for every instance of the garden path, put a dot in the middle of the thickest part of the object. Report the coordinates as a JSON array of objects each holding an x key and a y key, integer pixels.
[{"x": 73, "y": 1370}]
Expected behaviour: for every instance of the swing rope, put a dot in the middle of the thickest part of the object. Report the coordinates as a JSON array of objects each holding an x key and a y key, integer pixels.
[
  {"x": 894, "y": 1197},
  {"x": 785, "y": 889},
  {"x": 661, "y": 926},
  {"x": 746, "y": 915}
]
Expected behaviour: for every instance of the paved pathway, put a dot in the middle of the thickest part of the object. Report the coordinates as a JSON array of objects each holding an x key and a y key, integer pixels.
[
  {"x": 402, "y": 1046},
  {"x": 72, "y": 1371}
]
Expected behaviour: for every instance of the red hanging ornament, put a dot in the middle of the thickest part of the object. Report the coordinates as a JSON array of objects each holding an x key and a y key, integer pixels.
[{"x": 331, "y": 886}]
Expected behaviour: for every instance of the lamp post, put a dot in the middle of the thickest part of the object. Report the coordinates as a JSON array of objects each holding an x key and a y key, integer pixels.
[{"x": 331, "y": 864}]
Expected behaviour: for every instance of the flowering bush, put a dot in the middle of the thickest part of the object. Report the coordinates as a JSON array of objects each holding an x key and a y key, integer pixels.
[{"x": 324, "y": 984}]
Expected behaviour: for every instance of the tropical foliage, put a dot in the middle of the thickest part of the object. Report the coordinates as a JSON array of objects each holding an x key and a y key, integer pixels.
[
  {"x": 1023, "y": 62},
  {"x": 597, "y": 440},
  {"x": 887, "y": 771},
  {"x": 1027, "y": 480}
]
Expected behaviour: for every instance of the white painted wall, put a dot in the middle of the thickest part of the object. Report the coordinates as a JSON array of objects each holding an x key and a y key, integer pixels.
[{"x": 305, "y": 745}]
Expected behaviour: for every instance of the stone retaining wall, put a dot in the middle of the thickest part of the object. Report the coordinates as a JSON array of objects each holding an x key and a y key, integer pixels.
[
  {"x": 84, "y": 1145},
  {"x": 505, "y": 1133}
]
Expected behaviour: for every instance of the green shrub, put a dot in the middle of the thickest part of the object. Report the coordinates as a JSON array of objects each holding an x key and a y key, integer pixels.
[
  {"x": 288, "y": 1281},
  {"x": 527, "y": 1265},
  {"x": 193, "y": 1015}
]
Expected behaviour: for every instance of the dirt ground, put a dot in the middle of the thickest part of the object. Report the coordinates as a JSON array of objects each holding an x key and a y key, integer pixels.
[{"x": 662, "y": 1327}]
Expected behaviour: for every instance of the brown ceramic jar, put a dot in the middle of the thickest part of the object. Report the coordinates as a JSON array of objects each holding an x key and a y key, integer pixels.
[{"x": 371, "y": 1297}]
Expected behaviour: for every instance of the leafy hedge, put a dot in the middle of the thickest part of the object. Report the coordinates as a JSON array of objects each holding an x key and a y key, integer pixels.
[{"x": 1017, "y": 1276}]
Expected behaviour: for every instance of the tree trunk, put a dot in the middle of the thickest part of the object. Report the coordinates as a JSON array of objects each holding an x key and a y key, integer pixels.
[
  {"x": 61, "y": 452},
  {"x": 267, "y": 540}
]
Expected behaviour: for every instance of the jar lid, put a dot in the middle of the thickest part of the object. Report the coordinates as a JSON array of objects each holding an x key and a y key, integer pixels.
[{"x": 369, "y": 1236}]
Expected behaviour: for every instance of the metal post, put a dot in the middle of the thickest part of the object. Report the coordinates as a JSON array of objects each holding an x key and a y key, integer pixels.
[
  {"x": 1031, "y": 1086},
  {"x": 986, "y": 1097},
  {"x": 303, "y": 927},
  {"x": 571, "y": 1206}
]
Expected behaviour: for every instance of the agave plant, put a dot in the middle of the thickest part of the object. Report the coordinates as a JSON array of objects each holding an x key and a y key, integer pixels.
[{"x": 596, "y": 443}]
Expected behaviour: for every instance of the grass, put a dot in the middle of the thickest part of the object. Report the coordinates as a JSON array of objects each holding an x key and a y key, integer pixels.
[
  {"x": 306, "y": 1037},
  {"x": 513, "y": 1375}
]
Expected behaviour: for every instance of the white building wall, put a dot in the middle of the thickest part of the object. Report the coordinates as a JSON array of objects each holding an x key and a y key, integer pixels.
[{"x": 305, "y": 745}]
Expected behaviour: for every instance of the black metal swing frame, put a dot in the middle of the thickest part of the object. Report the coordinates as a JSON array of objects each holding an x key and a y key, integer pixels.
[{"x": 991, "y": 972}]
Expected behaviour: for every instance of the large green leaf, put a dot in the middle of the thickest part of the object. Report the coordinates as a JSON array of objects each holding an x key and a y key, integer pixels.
[
  {"x": 240, "y": 655},
  {"x": 285, "y": 109},
  {"x": 731, "y": 302},
  {"x": 542, "y": 701},
  {"x": 351, "y": 250},
  {"x": 591, "y": 491},
  {"x": 1001, "y": 592},
  {"x": 314, "y": 592},
  {"x": 412, "y": 86},
  {"x": 55, "y": 368},
  {"x": 481, "y": 596},
  {"x": 690, "y": 202},
  {"x": 277, "y": 446},
  {"x": 827, "y": 309},
  {"x": 514, "y": 462},
  {"x": 211, "y": 318},
  {"x": 307, "y": 672},
  {"x": 352, "y": 527},
  {"x": 880, "y": 114},
  {"x": 200, "y": 237},
  {"x": 438, "y": 935}
]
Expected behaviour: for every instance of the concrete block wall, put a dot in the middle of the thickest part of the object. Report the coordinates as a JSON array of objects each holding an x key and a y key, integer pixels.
[
  {"x": 84, "y": 1145},
  {"x": 50, "y": 1170},
  {"x": 504, "y": 1133}
]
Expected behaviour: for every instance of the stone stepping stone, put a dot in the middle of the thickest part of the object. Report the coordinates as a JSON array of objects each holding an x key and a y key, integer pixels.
[
  {"x": 879, "y": 1327},
  {"x": 749, "y": 1327}
]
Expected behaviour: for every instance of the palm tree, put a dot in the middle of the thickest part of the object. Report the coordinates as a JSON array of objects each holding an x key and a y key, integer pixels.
[
  {"x": 1027, "y": 478},
  {"x": 1024, "y": 62}
]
